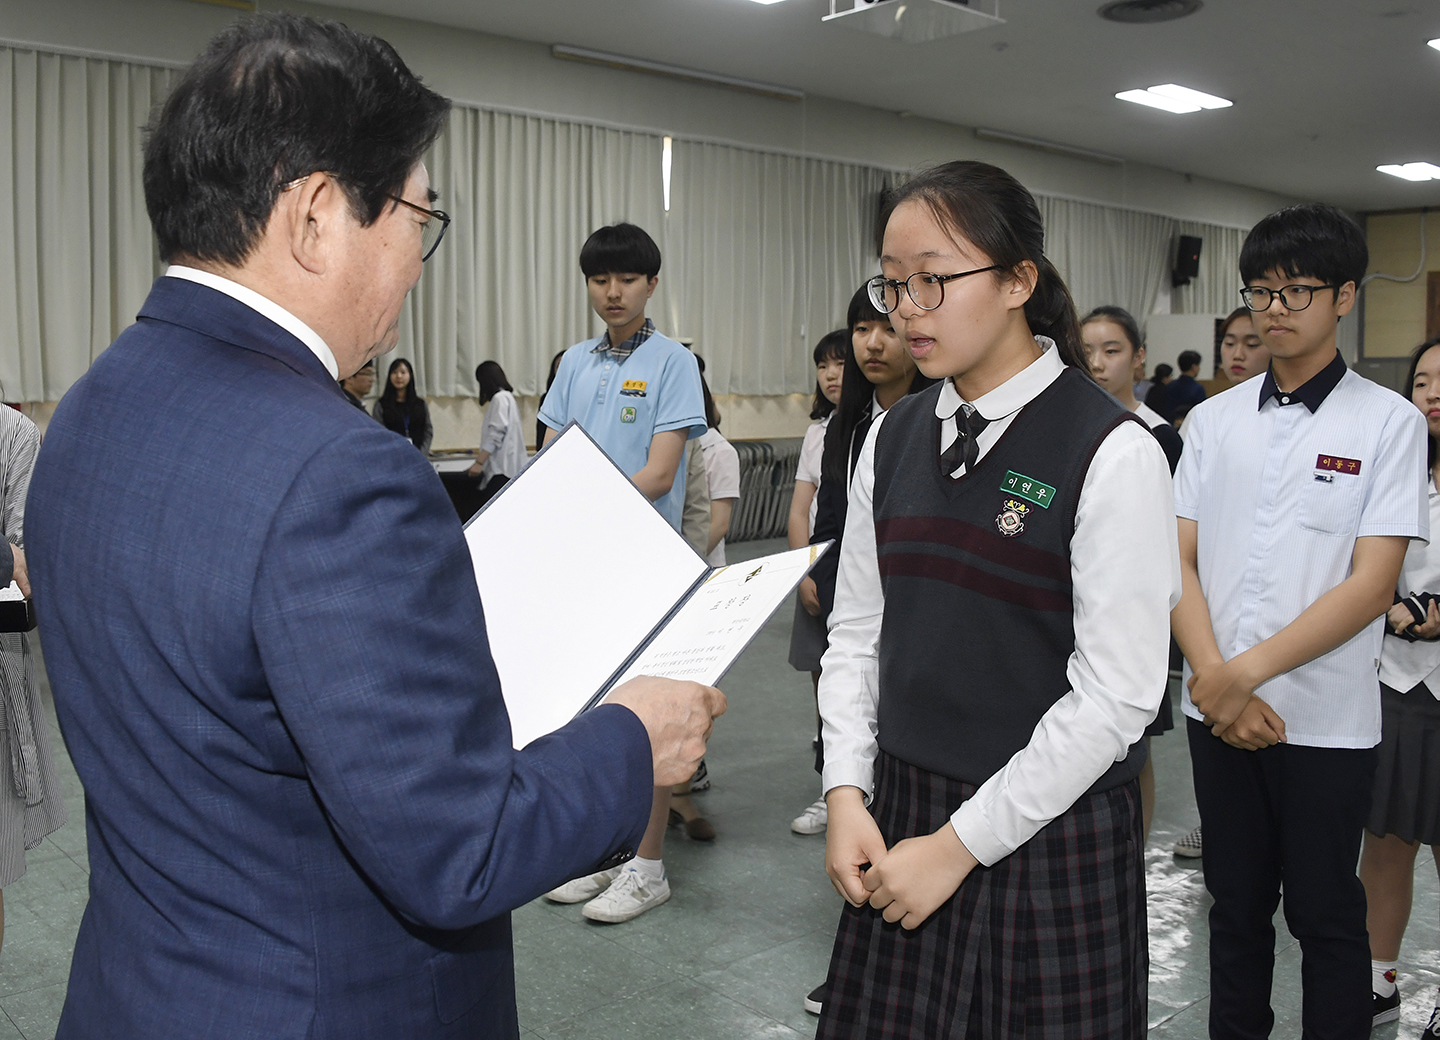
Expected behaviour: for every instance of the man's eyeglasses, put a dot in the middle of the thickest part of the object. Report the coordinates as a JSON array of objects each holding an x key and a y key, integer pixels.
[
  {"x": 1292, "y": 297},
  {"x": 926, "y": 289},
  {"x": 431, "y": 232}
]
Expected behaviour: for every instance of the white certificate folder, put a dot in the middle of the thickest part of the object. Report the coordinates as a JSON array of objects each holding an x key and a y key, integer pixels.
[{"x": 585, "y": 585}]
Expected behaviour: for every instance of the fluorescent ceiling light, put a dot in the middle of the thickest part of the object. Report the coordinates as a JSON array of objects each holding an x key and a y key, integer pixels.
[
  {"x": 767, "y": 1},
  {"x": 1414, "y": 171},
  {"x": 1171, "y": 97},
  {"x": 1435, "y": 43}
]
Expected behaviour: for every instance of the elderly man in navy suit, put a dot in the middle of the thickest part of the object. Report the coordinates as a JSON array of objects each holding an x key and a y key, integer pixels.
[{"x": 305, "y": 817}]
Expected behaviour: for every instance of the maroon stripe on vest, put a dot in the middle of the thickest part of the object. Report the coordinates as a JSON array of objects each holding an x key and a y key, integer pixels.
[
  {"x": 942, "y": 530},
  {"x": 921, "y": 565}
]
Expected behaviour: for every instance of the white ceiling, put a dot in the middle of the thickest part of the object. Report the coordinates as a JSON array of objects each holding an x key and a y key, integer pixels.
[{"x": 1324, "y": 90}]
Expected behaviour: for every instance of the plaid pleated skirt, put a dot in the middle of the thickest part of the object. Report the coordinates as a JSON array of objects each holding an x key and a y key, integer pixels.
[{"x": 1050, "y": 942}]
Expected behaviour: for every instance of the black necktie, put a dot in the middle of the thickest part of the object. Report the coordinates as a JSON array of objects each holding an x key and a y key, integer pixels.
[{"x": 966, "y": 447}]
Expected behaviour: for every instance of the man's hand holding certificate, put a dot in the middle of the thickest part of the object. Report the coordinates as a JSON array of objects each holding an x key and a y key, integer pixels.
[{"x": 679, "y": 718}]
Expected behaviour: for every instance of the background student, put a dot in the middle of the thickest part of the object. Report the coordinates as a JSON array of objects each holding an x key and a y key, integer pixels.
[
  {"x": 807, "y": 631},
  {"x": 997, "y": 647},
  {"x": 31, "y": 805},
  {"x": 1157, "y": 397},
  {"x": 1297, "y": 496},
  {"x": 638, "y": 394},
  {"x": 1114, "y": 348},
  {"x": 1243, "y": 354},
  {"x": 358, "y": 386},
  {"x": 1405, "y": 802},
  {"x": 502, "y": 441},
  {"x": 878, "y": 372},
  {"x": 540, "y": 426},
  {"x": 722, "y": 475},
  {"x": 401, "y": 409},
  {"x": 1184, "y": 392}
]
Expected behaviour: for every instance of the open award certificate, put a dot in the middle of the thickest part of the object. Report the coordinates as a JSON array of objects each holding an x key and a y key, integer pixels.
[{"x": 585, "y": 585}]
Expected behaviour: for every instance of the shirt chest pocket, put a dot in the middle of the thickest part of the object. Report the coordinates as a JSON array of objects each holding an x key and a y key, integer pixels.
[{"x": 1330, "y": 503}]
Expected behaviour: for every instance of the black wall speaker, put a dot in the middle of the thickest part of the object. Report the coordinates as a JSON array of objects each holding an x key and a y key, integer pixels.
[{"x": 1187, "y": 260}]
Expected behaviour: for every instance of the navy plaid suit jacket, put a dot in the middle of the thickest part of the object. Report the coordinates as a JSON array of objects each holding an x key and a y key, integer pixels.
[{"x": 261, "y": 625}]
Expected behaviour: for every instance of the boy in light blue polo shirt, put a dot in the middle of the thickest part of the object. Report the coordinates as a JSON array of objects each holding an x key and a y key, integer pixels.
[{"x": 637, "y": 393}]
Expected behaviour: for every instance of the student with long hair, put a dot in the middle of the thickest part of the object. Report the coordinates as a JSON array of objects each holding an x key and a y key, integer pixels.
[
  {"x": 401, "y": 409},
  {"x": 997, "y": 647},
  {"x": 807, "y": 631},
  {"x": 1405, "y": 801},
  {"x": 502, "y": 442},
  {"x": 1115, "y": 348},
  {"x": 879, "y": 371},
  {"x": 540, "y": 426}
]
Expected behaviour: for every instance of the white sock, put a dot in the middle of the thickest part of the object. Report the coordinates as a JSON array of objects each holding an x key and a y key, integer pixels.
[
  {"x": 654, "y": 869},
  {"x": 1382, "y": 977}
]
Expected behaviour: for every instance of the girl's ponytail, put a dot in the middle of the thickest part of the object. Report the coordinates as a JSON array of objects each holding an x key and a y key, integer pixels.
[{"x": 1051, "y": 312}]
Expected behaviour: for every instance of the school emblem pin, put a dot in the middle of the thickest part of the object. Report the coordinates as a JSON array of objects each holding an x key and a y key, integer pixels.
[
  {"x": 627, "y": 414},
  {"x": 1011, "y": 519}
]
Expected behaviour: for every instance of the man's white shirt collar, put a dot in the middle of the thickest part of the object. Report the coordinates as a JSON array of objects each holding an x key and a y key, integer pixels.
[
  {"x": 1013, "y": 394},
  {"x": 266, "y": 307}
]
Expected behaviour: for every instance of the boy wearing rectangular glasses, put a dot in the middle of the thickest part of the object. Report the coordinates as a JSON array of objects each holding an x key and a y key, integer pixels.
[{"x": 1296, "y": 504}]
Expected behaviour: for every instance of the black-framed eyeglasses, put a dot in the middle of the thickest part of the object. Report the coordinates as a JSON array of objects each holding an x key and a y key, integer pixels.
[
  {"x": 1292, "y": 297},
  {"x": 432, "y": 231},
  {"x": 926, "y": 290}
]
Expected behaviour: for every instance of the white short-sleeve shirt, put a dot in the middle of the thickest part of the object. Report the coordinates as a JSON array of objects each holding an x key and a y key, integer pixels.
[
  {"x": 812, "y": 449},
  {"x": 1404, "y": 664},
  {"x": 1280, "y": 487},
  {"x": 722, "y": 473}
]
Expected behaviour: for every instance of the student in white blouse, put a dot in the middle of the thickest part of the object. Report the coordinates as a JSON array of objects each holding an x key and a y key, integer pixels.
[
  {"x": 1405, "y": 802},
  {"x": 502, "y": 440},
  {"x": 990, "y": 674}
]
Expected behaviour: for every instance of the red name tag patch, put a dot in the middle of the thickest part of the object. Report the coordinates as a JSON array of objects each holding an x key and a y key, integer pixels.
[{"x": 1336, "y": 464}]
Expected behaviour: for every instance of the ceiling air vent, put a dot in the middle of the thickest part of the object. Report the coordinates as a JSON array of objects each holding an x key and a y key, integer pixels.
[{"x": 1145, "y": 12}]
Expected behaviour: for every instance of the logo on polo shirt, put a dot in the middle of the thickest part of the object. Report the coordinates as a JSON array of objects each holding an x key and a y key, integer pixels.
[
  {"x": 627, "y": 414},
  {"x": 1011, "y": 519},
  {"x": 633, "y": 388}
]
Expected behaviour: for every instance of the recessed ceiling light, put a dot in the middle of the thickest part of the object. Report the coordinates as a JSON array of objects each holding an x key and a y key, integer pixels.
[
  {"x": 767, "y": 1},
  {"x": 1435, "y": 43},
  {"x": 1412, "y": 171},
  {"x": 1148, "y": 12},
  {"x": 1171, "y": 97}
]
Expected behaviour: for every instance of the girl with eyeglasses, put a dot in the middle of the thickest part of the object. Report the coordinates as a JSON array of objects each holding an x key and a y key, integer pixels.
[{"x": 998, "y": 645}]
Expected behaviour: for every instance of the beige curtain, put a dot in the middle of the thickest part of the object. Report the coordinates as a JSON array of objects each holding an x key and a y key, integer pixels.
[
  {"x": 767, "y": 249},
  {"x": 1217, "y": 289},
  {"x": 762, "y": 250},
  {"x": 76, "y": 253},
  {"x": 1108, "y": 255},
  {"x": 505, "y": 285}
]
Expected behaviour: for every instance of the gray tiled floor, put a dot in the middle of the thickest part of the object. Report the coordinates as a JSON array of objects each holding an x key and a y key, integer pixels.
[{"x": 748, "y": 930}]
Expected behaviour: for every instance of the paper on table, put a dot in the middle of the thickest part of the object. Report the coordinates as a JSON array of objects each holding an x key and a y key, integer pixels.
[
  {"x": 710, "y": 631},
  {"x": 575, "y": 568}
]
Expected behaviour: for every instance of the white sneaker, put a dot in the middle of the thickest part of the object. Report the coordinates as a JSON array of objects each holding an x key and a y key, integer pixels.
[
  {"x": 630, "y": 896},
  {"x": 581, "y": 889},
  {"x": 813, "y": 820}
]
